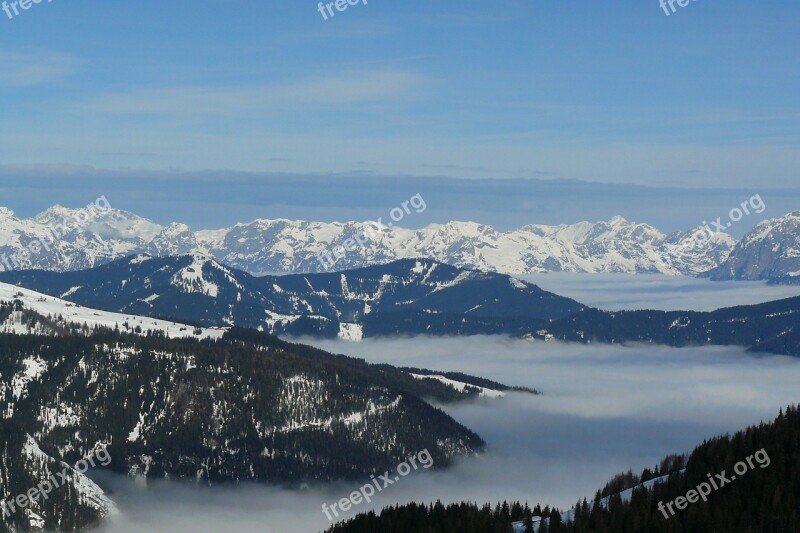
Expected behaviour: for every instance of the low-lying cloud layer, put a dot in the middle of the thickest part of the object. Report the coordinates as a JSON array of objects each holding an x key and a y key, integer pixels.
[
  {"x": 614, "y": 292},
  {"x": 606, "y": 409}
]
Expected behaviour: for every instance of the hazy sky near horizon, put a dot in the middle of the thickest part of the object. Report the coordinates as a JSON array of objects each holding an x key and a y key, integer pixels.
[
  {"x": 613, "y": 92},
  {"x": 211, "y": 200}
]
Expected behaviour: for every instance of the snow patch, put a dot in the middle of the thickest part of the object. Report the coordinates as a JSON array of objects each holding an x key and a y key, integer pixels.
[
  {"x": 460, "y": 385},
  {"x": 351, "y": 332}
]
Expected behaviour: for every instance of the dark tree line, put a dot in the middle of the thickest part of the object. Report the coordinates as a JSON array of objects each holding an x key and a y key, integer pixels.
[{"x": 459, "y": 517}]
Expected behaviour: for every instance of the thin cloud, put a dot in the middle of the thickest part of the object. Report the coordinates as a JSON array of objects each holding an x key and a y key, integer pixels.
[
  {"x": 29, "y": 68},
  {"x": 362, "y": 87},
  {"x": 615, "y": 292}
]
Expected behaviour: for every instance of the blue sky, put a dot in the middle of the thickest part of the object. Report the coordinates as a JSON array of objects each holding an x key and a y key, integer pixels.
[{"x": 613, "y": 92}]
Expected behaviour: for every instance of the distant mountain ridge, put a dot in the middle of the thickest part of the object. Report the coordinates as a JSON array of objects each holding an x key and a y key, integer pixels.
[
  {"x": 285, "y": 246},
  {"x": 406, "y": 297},
  {"x": 348, "y": 304}
]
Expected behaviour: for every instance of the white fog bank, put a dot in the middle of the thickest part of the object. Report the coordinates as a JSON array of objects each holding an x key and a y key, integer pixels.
[
  {"x": 614, "y": 292},
  {"x": 604, "y": 410}
]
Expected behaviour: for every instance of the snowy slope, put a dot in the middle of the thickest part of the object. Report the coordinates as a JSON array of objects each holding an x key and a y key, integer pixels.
[
  {"x": 460, "y": 385},
  {"x": 250, "y": 407},
  {"x": 77, "y": 501},
  {"x": 76, "y": 314}
]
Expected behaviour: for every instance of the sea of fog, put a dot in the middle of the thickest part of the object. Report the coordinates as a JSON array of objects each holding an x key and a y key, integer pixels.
[
  {"x": 605, "y": 409},
  {"x": 615, "y": 292}
]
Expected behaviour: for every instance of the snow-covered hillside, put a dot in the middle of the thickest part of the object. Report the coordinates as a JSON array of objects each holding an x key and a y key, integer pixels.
[
  {"x": 78, "y": 315},
  {"x": 249, "y": 407},
  {"x": 75, "y": 502},
  {"x": 460, "y": 385}
]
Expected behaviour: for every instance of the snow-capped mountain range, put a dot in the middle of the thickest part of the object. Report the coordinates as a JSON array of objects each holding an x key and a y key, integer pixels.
[
  {"x": 285, "y": 246},
  {"x": 770, "y": 252}
]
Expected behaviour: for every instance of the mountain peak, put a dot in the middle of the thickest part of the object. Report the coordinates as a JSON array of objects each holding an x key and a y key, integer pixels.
[
  {"x": 200, "y": 257},
  {"x": 175, "y": 228},
  {"x": 771, "y": 251},
  {"x": 56, "y": 209}
]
